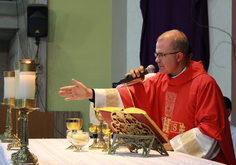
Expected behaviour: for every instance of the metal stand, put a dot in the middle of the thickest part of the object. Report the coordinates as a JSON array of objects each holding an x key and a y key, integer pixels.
[
  {"x": 108, "y": 143},
  {"x": 23, "y": 155},
  {"x": 8, "y": 135},
  {"x": 95, "y": 136},
  {"x": 147, "y": 142},
  {"x": 16, "y": 143},
  {"x": 94, "y": 129},
  {"x": 101, "y": 144}
]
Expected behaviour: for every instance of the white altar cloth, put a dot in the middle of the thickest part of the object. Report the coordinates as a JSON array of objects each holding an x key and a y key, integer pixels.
[{"x": 53, "y": 152}]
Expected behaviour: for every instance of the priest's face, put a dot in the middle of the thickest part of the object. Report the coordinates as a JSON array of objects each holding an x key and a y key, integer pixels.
[{"x": 167, "y": 58}]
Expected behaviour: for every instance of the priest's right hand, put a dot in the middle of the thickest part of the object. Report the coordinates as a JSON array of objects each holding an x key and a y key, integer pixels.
[
  {"x": 136, "y": 73},
  {"x": 77, "y": 92}
]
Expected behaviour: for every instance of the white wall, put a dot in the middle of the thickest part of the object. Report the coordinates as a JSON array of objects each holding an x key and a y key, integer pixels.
[
  {"x": 134, "y": 27},
  {"x": 220, "y": 16},
  {"x": 233, "y": 87}
]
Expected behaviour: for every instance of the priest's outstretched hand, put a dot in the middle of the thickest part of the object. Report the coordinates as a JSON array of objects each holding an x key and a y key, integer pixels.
[{"x": 76, "y": 92}]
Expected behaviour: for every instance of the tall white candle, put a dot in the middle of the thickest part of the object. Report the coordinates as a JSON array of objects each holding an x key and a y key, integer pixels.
[
  {"x": 16, "y": 84},
  {"x": 27, "y": 85},
  {"x": 9, "y": 87}
]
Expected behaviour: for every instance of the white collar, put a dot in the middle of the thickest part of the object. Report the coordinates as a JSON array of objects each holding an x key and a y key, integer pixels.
[{"x": 179, "y": 73}]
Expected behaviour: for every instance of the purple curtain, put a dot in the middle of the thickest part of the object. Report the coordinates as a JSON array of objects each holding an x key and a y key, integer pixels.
[{"x": 163, "y": 15}]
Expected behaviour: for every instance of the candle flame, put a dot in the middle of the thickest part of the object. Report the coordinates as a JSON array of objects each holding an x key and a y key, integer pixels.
[{"x": 28, "y": 62}]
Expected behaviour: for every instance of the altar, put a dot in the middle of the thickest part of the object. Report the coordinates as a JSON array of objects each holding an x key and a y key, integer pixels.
[{"x": 53, "y": 151}]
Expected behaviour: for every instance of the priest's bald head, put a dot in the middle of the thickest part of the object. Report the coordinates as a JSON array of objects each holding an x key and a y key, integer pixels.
[{"x": 172, "y": 52}]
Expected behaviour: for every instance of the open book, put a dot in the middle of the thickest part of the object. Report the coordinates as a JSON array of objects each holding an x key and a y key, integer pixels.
[{"x": 131, "y": 121}]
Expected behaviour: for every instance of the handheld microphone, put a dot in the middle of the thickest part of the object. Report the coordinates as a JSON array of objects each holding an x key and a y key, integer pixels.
[{"x": 149, "y": 69}]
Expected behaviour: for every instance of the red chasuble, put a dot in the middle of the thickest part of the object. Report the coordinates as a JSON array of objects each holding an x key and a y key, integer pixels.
[{"x": 193, "y": 99}]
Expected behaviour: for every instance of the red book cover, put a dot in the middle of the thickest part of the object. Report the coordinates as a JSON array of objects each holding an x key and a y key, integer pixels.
[{"x": 131, "y": 121}]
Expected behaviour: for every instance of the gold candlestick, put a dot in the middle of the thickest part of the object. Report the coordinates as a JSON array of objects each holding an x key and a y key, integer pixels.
[
  {"x": 23, "y": 155},
  {"x": 8, "y": 135},
  {"x": 16, "y": 143},
  {"x": 8, "y": 100},
  {"x": 25, "y": 103}
]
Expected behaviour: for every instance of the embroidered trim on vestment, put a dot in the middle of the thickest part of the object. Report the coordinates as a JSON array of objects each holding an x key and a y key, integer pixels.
[
  {"x": 112, "y": 98},
  {"x": 190, "y": 144}
]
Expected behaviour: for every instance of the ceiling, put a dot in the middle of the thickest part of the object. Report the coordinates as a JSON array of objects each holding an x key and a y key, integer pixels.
[
  {"x": 7, "y": 34},
  {"x": 8, "y": 9}
]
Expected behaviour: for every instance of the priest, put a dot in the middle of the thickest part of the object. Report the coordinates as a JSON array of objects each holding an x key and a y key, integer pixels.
[{"x": 182, "y": 99}]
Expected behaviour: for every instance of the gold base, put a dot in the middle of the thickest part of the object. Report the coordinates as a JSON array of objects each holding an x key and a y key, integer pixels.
[
  {"x": 72, "y": 147},
  {"x": 94, "y": 142},
  {"x": 7, "y": 137},
  {"x": 15, "y": 144},
  {"x": 23, "y": 156},
  {"x": 108, "y": 148},
  {"x": 99, "y": 145}
]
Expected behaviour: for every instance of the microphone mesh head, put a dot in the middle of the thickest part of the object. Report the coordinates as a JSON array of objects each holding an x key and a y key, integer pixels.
[{"x": 151, "y": 68}]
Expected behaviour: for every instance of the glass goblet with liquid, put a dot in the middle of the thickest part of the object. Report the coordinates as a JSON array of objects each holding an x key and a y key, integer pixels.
[{"x": 73, "y": 125}]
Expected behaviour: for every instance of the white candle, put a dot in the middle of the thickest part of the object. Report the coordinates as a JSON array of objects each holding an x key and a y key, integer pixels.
[
  {"x": 27, "y": 85},
  {"x": 17, "y": 84},
  {"x": 9, "y": 87}
]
